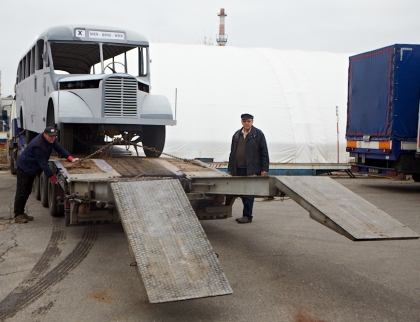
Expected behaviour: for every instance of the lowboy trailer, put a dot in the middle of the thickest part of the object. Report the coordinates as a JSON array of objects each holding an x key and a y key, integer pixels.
[{"x": 160, "y": 201}]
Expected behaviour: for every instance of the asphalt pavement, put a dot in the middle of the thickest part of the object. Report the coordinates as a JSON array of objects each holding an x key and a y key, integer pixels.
[{"x": 282, "y": 267}]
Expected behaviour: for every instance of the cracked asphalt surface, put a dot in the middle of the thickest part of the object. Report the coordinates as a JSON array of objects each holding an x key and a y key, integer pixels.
[{"x": 282, "y": 267}]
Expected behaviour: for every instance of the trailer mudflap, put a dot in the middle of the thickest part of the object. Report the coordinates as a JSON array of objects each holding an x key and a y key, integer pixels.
[
  {"x": 173, "y": 255},
  {"x": 340, "y": 209}
]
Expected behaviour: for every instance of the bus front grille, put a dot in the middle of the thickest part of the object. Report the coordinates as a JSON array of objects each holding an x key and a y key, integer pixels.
[{"x": 120, "y": 97}]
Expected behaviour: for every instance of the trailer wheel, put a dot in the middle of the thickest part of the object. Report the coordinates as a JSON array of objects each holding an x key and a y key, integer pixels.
[
  {"x": 416, "y": 177},
  {"x": 54, "y": 191},
  {"x": 43, "y": 187},
  {"x": 153, "y": 136},
  {"x": 13, "y": 163},
  {"x": 35, "y": 188},
  {"x": 66, "y": 136}
]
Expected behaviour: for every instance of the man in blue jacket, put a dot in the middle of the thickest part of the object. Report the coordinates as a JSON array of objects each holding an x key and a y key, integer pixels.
[
  {"x": 248, "y": 157},
  {"x": 32, "y": 162}
]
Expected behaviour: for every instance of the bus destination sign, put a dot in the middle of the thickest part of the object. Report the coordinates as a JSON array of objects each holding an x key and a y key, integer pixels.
[{"x": 82, "y": 33}]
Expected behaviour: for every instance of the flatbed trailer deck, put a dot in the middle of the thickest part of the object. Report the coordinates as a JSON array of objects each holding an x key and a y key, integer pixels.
[{"x": 161, "y": 200}]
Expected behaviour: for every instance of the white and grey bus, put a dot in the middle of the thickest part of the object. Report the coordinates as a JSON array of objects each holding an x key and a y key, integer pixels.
[{"x": 90, "y": 82}]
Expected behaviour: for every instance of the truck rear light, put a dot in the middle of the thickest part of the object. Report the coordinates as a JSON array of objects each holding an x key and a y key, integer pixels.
[
  {"x": 391, "y": 173},
  {"x": 355, "y": 169},
  {"x": 351, "y": 144},
  {"x": 385, "y": 145}
]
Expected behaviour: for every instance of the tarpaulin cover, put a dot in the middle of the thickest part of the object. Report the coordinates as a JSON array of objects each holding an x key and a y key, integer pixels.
[
  {"x": 292, "y": 94},
  {"x": 384, "y": 91}
]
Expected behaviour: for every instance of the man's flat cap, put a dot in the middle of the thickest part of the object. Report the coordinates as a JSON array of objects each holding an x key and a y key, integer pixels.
[
  {"x": 246, "y": 116},
  {"x": 50, "y": 130}
]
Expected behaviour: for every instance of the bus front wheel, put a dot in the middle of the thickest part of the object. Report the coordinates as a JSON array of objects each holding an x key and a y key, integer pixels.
[{"x": 153, "y": 139}]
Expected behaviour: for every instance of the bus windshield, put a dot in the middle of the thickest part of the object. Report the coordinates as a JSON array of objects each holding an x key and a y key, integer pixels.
[{"x": 85, "y": 58}]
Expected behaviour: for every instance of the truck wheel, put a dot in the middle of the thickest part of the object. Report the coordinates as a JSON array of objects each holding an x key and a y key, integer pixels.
[
  {"x": 54, "y": 191},
  {"x": 153, "y": 136},
  {"x": 35, "y": 188},
  {"x": 13, "y": 166},
  {"x": 416, "y": 177},
  {"x": 43, "y": 187},
  {"x": 66, "y": 136}
]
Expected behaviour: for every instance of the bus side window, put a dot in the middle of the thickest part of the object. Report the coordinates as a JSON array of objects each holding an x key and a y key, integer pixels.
[
  {"x": 19, "y": 72},
  {"x": 28, "y": 63},
  {"x": 32, "y": 64},
  {"x": 39, "y": 52},
  {"x": 46, "y": 58},
  {"x": 24, "y": 68}
]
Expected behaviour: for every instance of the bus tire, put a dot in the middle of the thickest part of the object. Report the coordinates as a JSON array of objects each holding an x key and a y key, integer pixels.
[
  {"x": 54, "y": 191},
  {"x": 36, "y": 189},
  {"x": 416, "y": 177},
  {"x": 43, "y": 187},
  {"x": 153, "y": 136},
  {"x": 66, "y": 136}
]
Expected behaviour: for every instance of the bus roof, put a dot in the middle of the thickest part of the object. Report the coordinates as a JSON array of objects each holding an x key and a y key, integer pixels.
[{"x": 93, "y": 33}]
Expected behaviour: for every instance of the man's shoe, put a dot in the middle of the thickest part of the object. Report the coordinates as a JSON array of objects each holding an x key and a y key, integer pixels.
[
  {"x": 244, "y": 220},
  {"x": 21, "y": 219},
  {"x": 237, "y": 219},
  {"x": 27, "y": 217}
]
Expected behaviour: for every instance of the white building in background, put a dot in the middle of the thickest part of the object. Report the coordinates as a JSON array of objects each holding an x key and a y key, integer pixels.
[{"x": 292, "y": 94}]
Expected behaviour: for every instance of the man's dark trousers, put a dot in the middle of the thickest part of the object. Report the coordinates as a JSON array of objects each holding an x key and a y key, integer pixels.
[
  {"x": 248, "y": 202},
  {"x": 23, "y": 190}
]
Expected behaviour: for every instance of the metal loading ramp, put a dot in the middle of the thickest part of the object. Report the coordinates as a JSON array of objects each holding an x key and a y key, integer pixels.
[
  {"x": 340, "y": 209},
  {"x": 174, "y": 257}
]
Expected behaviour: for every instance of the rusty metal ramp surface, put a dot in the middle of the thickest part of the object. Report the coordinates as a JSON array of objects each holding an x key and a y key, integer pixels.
[
  {"x": 136, "y": 166},
  {"x": 340, "y": 209},
  {"x": 174, "y": 257}
]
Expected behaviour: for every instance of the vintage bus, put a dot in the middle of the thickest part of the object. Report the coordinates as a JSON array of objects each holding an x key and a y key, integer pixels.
[{"x": 91, "y": 82}]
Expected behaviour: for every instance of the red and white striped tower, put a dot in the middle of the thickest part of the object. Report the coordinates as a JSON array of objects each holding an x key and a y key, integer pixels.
[{"x": 221, "y": 37}]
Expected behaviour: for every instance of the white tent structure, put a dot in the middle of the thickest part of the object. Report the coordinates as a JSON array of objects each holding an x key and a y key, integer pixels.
[{"x": 292, "y": 94}]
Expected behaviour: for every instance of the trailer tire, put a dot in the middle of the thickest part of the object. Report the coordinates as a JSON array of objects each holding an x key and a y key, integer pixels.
[
  {"x": 416, "y": 177},
  {"x": 54, "y": 191},
  {"x": 13, "y": 163},
  {"x": 36, "y": 189},
  {"x": 43, "y": 188},
  {"x": 66, "y": 136},
  {"x": 153, "y": 136}
]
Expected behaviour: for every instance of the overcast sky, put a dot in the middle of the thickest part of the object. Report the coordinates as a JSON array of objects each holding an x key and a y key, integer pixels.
[{"x": 349, "y": 26}]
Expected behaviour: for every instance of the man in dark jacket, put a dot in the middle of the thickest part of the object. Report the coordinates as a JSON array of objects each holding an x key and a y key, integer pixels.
[
  {"x": 32, "y": 162},
  {"x": 248, "y": 157}
]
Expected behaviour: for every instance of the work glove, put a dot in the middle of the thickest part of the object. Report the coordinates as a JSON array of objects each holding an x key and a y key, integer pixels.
[
  {"x": 54, "y": 179},
  {"x": 71, "y": 159}
]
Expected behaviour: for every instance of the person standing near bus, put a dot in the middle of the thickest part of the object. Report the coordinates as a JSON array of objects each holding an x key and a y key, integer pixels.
[
  {"x": 248, "y": 157},
  {"x": 32, "y": 162}
]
